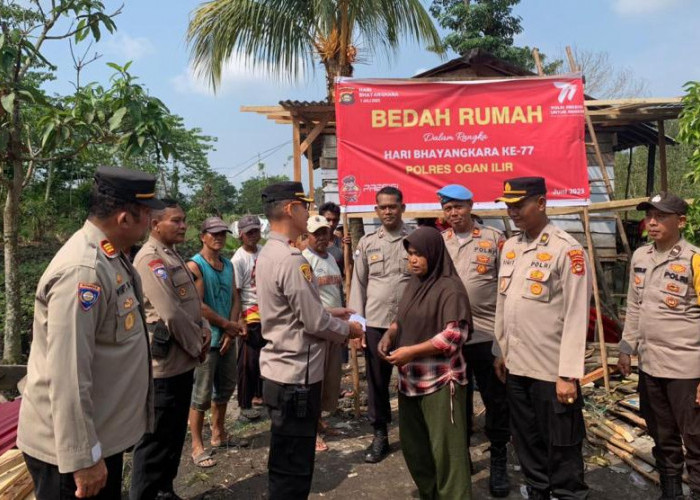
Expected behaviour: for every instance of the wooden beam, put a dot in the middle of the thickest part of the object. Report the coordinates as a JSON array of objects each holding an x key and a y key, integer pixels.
[
  {"x": 572, "y": 63},
  {"x": 318, "y": 128},
  {"x": 662, "y": 156},
  {"x": 310, "y": 163},
  {"x": 621, "y": 102},
  {"x": 296, "y": 139},
  {"x": 538, "y": 62}
]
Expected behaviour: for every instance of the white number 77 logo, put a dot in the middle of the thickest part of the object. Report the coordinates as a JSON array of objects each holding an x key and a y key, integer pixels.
[{"x": 568, "y": 91}]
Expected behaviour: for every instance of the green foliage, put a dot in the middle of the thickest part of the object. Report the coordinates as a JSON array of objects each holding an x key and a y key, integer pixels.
[
  {"x": 485, "y": 24},
  {"x": 249, "y": 197},
  {"x": 689, "y": 134}
]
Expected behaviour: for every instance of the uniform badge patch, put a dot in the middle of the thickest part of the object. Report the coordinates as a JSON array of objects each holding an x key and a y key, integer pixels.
[
  {"x": 88, "y": 293},
  {"x": 476, "y": 232},
  {"x": 108, "y": 248},
  {"x": 672, "y": 287},
  {"x": 510, "y": 255},
  {"x": 545, "y": 238},
  {"x": 544, "y": 256},
  {"x": 678, "y": 268},
  {"x": 536, "y": 275},
  {"x": 158, "y": 268},
  {"x": 481, "y": 269},
  {"x": 306, "y": 271},
  {"x": 485, "y": 244},
  {"x": 578, "y": 263},
  {"x": 129, "y": 303},
  {"x": 637, "y": 280},
  {"x": 536, "y": 289},
  {"x": 483, "y": 259},
  {"x": 120, "y": 279},
  {"x": 129, "y": 321},
  {"x": 671, "y": 302}
]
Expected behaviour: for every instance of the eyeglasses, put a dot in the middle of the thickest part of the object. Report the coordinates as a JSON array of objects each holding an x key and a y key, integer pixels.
[{"x": 304, "y": 204}]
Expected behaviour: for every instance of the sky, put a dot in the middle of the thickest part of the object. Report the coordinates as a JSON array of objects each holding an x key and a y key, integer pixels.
[{"x": 656, "y": 39}]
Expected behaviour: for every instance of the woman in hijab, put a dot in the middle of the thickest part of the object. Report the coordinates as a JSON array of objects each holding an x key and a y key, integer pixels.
[{"x": 425, "y": 343}]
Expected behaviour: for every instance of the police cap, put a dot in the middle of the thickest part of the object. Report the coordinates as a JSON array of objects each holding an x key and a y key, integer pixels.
[
  {"x": 520, "y": 188},
  {"x": 665, "y": 202},
  {"x": 128, "y": 185},
  {"x": 288, "y": 190},
  {"x": 454, "y": 192}
]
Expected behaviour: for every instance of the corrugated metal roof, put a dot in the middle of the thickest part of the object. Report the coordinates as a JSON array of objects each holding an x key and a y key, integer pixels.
[{"x": 9, "y": 418}]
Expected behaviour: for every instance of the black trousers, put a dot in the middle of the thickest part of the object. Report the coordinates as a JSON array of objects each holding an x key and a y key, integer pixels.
[
  {"x": 548, "y": 437},
  {"x": 157, "y": 456},
  {"x": 292, "y": 440},
  {"x": 479, "y": 360},
  {"x": 673, "y": 418},
  {"x": 378, "y": 378},
  {"x": 49, "y": 484},
  {"x": 249, "y": 381}
]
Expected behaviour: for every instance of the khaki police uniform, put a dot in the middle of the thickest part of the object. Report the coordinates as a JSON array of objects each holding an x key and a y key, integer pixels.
[
  {"x": 88, "y": 393},
  {"x": 542, "y": 311},
  {"x": 476, "y": 259},
  {"x": 662, "y": 326},
  {"x": 378, "y": 281},
  {"x": 171, "y": 302},
  {"x": 295, "y": 324}
]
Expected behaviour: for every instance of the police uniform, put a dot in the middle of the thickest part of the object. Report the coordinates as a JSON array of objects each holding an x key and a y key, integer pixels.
[
  {"x": 295, "y": 324},
  {"x": 476, "y": 258},
  {"x": 542, "y": 311},
  {"x": 88, "y": 392},
  {"x": 175, "y": 323},
  {"x": 378, "y": 281},
  {"x": 661, "y": 326}
]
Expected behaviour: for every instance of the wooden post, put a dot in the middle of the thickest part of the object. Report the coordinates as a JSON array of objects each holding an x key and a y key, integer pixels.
[
  {"x": 662, "y": 156},
  {"x": 310, "y": 157},
  {"x": 572, "y": 63},
  {"x": 347, "y": 250},
  {"x": 538, "y": 62},
  {"x": 296, "y": 140},
  {"x": 596, "y": 297}
]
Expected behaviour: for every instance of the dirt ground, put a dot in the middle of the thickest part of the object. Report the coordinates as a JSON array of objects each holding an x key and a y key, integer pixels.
[{"x": 341, "y": 472}]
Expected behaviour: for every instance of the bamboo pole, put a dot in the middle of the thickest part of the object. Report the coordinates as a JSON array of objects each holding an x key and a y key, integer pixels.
[
  {"x": 348, "y": 280},
  {"x": 596, "y": 297},
  {"x": 662, "y": 156},
  {"x": 538, "y": 61}
]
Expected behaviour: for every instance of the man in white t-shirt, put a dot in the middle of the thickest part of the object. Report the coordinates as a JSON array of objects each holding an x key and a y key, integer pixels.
[
  {"x": 330, "y": 287},
  {"x": 249, "y": 382}
]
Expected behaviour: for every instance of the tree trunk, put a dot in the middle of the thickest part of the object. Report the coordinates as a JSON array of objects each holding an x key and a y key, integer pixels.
[
  {"x": 49, "y": 180},
  {"x": 12, "y": 348}
]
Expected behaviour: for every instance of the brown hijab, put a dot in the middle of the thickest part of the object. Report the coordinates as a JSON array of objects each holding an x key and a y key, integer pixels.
[{"x": 431, "y": 301}]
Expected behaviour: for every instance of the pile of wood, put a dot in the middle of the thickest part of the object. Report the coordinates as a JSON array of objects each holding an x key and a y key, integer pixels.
[{"x": 15, "y": 481}]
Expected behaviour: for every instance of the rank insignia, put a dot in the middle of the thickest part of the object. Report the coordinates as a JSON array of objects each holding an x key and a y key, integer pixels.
[
  {"x": 182, "y": 291},
  {"x": 504, "y": 284},
  {"x": 544, "y": 239},
  {"x": 476, "y": 232},
  {"x": 536, "y": 275},
  {"x": 544, "y": 257},
  {"x": 373, "y": 257},
  {"x": 481, "y": 269},
  {"x": 120, "y": 279},
  {"x": 483, "y": 259},
  {"x": 637, "y": 280},
  {"x": 129, "y": 303},
  {"x": 158, "y": 268},
  {"x": 510, "y": 255},
  {"x": 578, "y": 262},
  {"x": 678, "y": 268},
  {"x": 108, "y": 248},
  {"x": 485, "y": 244},
  {"x": 673, "y": 288},
  {"x": 129, "y": 321},
  {"x": 536, "y": 289},
  {"x": 88, "y": 293},
  {"x": 671, "y": 302},
  {"x": 306, "y": 271}
]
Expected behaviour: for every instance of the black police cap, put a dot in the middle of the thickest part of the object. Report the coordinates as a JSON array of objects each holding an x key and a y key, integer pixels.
[
  {"x": 665, "y": 202},
  {"x": 520, "y": 188},
  {"x": 128, "y": 185},
  {"x": 288, "y": 190}
]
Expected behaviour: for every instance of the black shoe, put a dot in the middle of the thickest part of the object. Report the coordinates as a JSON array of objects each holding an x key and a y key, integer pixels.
[
  {"x": 671, "y": 487},
  {"x": 533, "y": 494},
  {"x": 378, "y": 449},
  {"x": 499, "y": 486}
]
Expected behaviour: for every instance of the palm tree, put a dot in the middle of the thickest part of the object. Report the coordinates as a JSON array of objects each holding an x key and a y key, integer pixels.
[{"x": 285, "y": 37}]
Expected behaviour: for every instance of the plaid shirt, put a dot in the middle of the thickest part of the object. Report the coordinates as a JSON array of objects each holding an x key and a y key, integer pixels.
[{"x": 427, "y": 375}]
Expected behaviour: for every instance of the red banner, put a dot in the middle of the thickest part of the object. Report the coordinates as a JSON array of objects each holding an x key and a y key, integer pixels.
[{"x": 420, "y": 136}]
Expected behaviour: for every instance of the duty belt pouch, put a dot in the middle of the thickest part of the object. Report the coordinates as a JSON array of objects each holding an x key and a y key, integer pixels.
[
  {"x": 160, "y": 339},
  {"x": 301, "y": 393}
]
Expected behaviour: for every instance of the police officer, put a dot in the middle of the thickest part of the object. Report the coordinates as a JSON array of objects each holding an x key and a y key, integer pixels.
[
  {"x": 88, "y": 395},
  {"x": 295, "y": 324},
  {"x": 179, "y": 339},
  {"x": 378, "y": 281},
  {"x": 544, "y": 292},
  {"x": 662, "y": 325},
  {"x": 475, "y": 249}
]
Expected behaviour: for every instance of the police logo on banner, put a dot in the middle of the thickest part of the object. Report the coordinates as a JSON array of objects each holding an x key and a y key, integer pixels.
[{"x": 88, "y": 293}]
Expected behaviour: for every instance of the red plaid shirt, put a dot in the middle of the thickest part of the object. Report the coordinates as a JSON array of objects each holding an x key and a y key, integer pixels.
[{"x": 426, "y": 375}]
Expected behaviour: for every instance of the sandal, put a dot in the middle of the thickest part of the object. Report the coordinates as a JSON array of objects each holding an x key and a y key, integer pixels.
[
  {"x": 347, "y": 393},
  {"x": 205, "y": 456},
  {"x": 320, "y": 444},
  {"x": 231, "y": 442}
]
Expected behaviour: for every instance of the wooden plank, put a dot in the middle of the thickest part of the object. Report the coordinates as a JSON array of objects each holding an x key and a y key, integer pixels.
[
  {"x": 296, "y": 139},
  {"x": 10, "y": 459},
  {"x": 635, "y": 100},
  {"x": 318, "y": 128},
  {"x": 310, "y": 163},
  {"x": 662, "y": 156},
  {"x": 596, "y": 374},
  {"x": 19, "y": 488}
]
